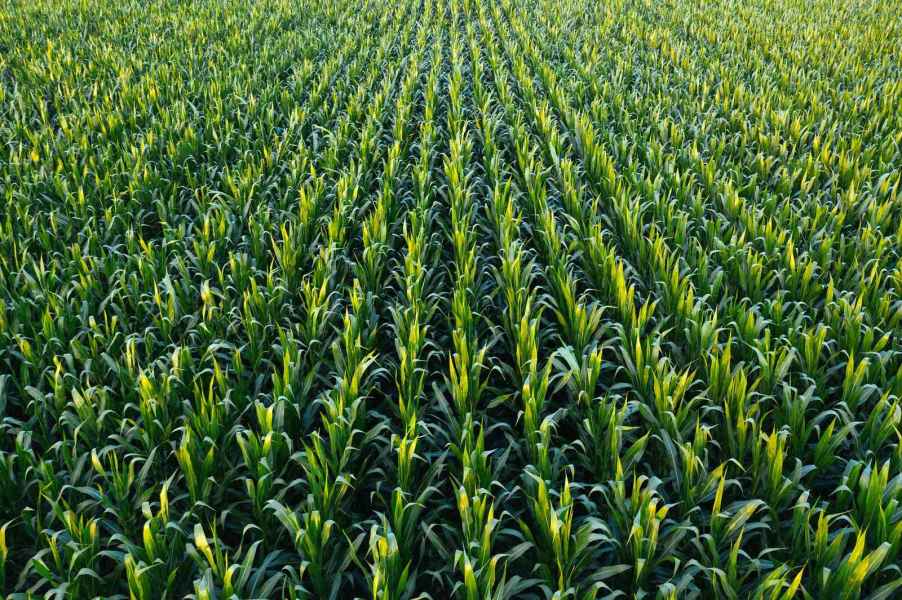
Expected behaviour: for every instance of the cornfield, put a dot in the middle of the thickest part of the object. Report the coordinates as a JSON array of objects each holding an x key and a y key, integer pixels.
[{"x": 434, "y": 299}]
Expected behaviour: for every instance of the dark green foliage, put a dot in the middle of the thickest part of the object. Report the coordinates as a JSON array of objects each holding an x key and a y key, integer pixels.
[{"x": 478, "y": 299}]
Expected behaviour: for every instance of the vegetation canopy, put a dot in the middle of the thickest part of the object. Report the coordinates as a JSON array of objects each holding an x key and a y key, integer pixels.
[{"x": 451, "y": 299}]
